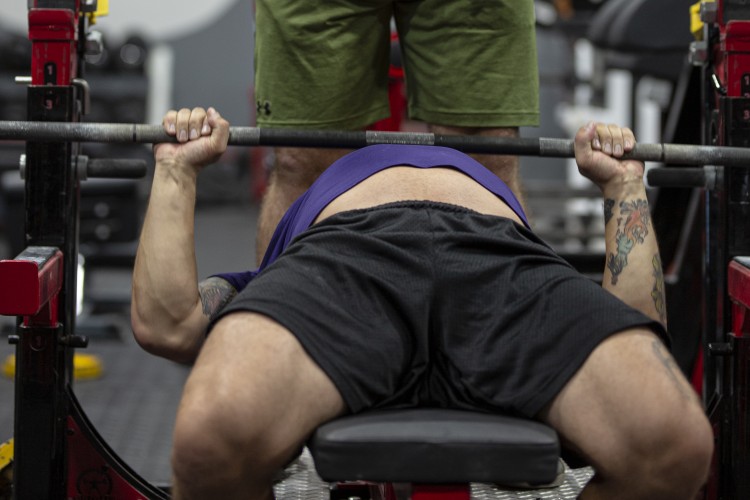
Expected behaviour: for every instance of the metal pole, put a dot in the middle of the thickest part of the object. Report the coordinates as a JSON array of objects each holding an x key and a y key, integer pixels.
[{"x": 676, "y": 154}]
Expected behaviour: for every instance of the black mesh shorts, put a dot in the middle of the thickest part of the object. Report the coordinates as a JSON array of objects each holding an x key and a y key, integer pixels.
[{"x": 422, "y": 303}]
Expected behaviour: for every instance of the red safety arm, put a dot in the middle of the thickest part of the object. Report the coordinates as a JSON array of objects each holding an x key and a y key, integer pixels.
[
  {"x": 31, "y": 281},
  {"x": 738, "y": 284},
  {"x": 54, "y": 37}
]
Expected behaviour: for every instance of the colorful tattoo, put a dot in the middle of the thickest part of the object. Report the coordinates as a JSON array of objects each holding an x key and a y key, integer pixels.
[
  {"x": 634, "y": 230},
  {"x": 658, "y": 291},
  {"x": 215, "y": 294},
  {"x": 609, "y": 204}
]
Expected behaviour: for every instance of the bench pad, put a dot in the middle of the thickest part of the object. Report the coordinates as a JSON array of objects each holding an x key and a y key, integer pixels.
[{"x": 435, "y": 446}]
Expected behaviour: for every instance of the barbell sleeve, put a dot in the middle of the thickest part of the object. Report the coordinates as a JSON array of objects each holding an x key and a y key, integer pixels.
[
  {"x": 676, "y": 154},
  {"x": 116, "y": 168},
  {"x": 689, "y": 177}
]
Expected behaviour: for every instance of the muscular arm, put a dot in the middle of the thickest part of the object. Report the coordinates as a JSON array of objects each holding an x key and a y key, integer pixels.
[
  {"x": 633, "y": 267},
  {"x": 166, "y": 311},
  {"x": 169, "y": 310}
]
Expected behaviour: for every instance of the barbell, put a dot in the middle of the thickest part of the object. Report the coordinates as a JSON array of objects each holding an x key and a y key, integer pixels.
[{"x": 676, "y": 154}]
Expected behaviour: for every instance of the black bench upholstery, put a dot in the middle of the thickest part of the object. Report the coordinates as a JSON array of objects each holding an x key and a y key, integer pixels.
[{"x": 435, "y": 446}]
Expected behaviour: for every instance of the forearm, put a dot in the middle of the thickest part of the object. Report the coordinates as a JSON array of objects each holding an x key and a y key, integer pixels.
[
  {"x": 633, "y": 267},
  {"x": 166, "y": 309}
]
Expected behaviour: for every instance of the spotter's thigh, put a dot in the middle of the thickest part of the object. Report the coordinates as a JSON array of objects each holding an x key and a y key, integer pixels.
[
  {"x": 470, "y": 64},
  {"x": 322, "y": 63}
]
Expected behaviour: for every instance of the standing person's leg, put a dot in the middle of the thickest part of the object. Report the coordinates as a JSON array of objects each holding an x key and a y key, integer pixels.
[
  {"x": 472, "y": 70},
  {"x": 293, "y": 171},
  {"x": 251, "y": 401},
  {"x": 504, "y": 166},
  {"x": 630, "y": 412},
  {"x": 319, "y": 64}
]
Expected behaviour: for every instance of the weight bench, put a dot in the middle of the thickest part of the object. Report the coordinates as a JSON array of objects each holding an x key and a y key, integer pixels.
[{"x": 439, "y": 452}]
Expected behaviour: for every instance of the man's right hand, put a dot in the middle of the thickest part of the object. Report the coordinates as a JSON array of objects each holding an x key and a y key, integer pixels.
[
  {"x": 202, "y": 138},
  {"x": 598, "y": 149}
]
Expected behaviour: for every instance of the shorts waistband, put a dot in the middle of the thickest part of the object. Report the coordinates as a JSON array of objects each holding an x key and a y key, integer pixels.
[{"x": 415, "y": 204}]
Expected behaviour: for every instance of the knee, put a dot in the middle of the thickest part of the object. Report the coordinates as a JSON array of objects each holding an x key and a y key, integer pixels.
[
  {"x": 197, "y": 453},
  {"x": 689, "y": 450},
  {"x": 674, "y": 461},
  {"x": 202, "y": 446},
  {"x": 210, "y": 445}
]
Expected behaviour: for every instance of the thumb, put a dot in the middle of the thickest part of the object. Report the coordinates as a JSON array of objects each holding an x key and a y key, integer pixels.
[
  {"x": 586, "y": 140},
  {"x": 219, "y": 128}
]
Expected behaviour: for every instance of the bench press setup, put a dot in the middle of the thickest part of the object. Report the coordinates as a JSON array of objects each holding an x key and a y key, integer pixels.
[{"x": 422, "y": 453}]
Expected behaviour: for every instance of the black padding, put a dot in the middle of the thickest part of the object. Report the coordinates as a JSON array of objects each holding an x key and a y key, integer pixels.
[
  {"x": 664, "y": 65},
  {"x": 435, "y": 446},
  {"x": 642, "y": 25},
  {"x": 676, "y": 177}
]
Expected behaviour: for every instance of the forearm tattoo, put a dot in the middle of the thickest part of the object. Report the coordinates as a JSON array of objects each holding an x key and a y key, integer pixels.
[
  {"x": 632, "y": 228},
  {"x": 609, "y": 204},
  {"x": 215, "y": 294},
  {"x": 657, "y": 293}
]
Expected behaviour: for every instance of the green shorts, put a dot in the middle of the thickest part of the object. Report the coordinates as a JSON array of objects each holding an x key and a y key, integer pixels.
[{"x": 324, "y": 63}]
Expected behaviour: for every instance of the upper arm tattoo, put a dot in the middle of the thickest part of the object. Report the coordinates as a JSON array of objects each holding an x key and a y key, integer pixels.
[
  {"x": 673, "y": 372},
  {"x": 632, "y": 228},
  {"x": 215, "y": 294}
]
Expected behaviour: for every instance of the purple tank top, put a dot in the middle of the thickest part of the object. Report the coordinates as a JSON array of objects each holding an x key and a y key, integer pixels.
[{"x": 352, "y": 169}]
